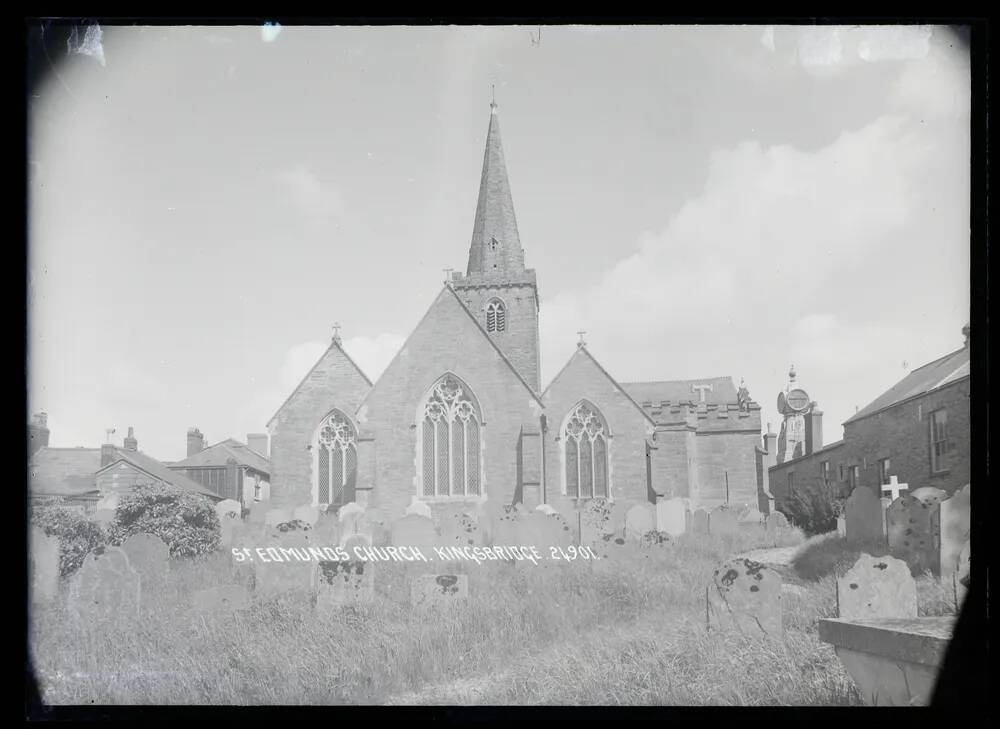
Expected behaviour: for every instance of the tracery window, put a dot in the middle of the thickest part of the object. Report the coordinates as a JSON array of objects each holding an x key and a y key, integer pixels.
[
  {"x": 337, "y": 460},
  {"x": 585, "y": 451},
  {"x": 450, "y": 440},
  {"x": 496, "y": 316}
]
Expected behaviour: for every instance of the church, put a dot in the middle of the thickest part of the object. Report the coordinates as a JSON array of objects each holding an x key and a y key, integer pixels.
[{"x": 460, "y": 416}]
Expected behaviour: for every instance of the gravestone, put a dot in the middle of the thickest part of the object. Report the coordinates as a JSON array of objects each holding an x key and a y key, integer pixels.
[
  {"x": 350, "y": 516},
  {"x": 722, "y": 521},
  {"x": 418, "y": 507},
  {"x": 751, "y": 515},
  {"x": 355, "y": 545},
  {"x": 230, "y": 514},
  {"x": 956, "y": 522},
  {"x": 326, "y": 531},
  {"x": 639, "y": 520},
  {"x": 273, "y": 517},
  {"x": 863, "y": 517},
  {"x": 842, "y": 526},
  {"x": 149, "y": 556},
  {"x": 506, "y": 527},
  {"x": 414, "y": 530},
  {"x": 460, "y": 530},
  {"x": 438, "y": 591},
  {"x": 746, "y": 596},
  {"x": 289, "y": 564},
  {"x": 776, "y": 522},
  {"x": 930, "y": 495},
  {"x": 258, "y": 512},
  {"x": 912, "y": 531},
  {"x": 308, "y": 514},
  {"x": 877, "y": 587},
  {"x": 488, "y": 513},
  {"x": 699, "y": 522},
  {"x": 228, "y": 506},
  {"x": 43, "y": 553},
  {"x": 344, "y": 583},
  {"x": 546, "y": 509},
  {"x": 223, "y": 598},
  {"x": 106, "y": 587},
  {"x": 565, "y": 536},
  {"x": 375, "y": 524},
  {"x": 596, "y": 522},
  {"x": 671, "y": 516},
  {"x": 537, "y": 530},
  {"x": 617, "y": 517}
]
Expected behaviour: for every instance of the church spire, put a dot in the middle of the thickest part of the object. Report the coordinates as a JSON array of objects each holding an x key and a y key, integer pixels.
[{"x": 496, "y": 248}]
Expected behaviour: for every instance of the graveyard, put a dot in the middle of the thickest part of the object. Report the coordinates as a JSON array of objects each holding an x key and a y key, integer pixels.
[{"x": 665, "y": 606}]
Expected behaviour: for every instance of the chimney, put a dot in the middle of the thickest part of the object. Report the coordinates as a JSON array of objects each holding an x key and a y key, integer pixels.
[
  {"x": 814, "y": 430},
  {"x": 38, "y": 433},
  {"x": 130, "y": 443},
  {"x": 258, "y": 442},
  {"x": 195, "y": 442},
  {"x": 771, "y": 446},
  {"x": 108, "y": 454}
]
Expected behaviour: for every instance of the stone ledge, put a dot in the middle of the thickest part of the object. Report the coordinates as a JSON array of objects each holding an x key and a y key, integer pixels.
[{"x": 912, "y": 640}]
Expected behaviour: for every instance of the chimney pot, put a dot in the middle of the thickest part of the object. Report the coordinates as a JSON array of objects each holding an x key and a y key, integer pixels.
[
  {"x": 195, "y": 442},
  {"x": 107, "y": 454},
  {"x": 130, "y": 443}
]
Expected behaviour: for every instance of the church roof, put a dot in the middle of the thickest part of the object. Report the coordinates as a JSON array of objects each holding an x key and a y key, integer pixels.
[
  {"x": 63, "y": 471},
  {"x": 950, "y": 368},
  {"x": 335, "y": 343},
  {"x": 678, "y": 391},
  {"x": 581, "y": 350},
  {"x": 220, "y": 453},
  {"x": 496, "y": 246}
]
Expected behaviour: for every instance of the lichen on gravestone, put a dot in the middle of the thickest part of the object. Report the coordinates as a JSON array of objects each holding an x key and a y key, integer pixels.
[{"x": 744, "y": 595}]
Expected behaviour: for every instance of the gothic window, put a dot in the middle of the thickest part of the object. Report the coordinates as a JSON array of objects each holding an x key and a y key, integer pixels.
[
  {"x": 337, "y": 460},
  {"x": 450, "y": 440},
  {"x": 496, "y": 316},
  {"x": 585, "y": 450}
]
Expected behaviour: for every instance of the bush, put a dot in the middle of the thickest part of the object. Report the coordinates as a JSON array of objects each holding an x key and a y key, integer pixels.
[
  {"x": 78, "y": 536},
  {"x": 814, "y": 510},
  {"x": 185, "y": 521}
]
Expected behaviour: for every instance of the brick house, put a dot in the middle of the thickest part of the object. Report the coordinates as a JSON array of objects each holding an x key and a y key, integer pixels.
[
  {"x": 918, "y": 430},
  {"x": 459, "y": 414},
  {"x": 230, "y": 469}
]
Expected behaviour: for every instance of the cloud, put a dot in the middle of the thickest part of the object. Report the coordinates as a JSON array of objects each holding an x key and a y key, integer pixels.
[
  {"x": 895, "y": 42},
  {"x": 373, "y": 354},
  {"x": 298, "y": 361},
  {"x": 269, "y": 32},
  {"x": 319, "y": 200}
]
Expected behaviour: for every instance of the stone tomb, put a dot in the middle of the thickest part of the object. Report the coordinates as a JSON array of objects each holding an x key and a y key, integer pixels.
[
  {"x": 699, "y": 521},
  {"x": 955, "y": 525},
  {"x": 746, "y": 596},
  {"x": 912, "y": 526},
  {"x": 671, "y": 516},
  {"x": 105, "y": 588},
  {"x": 877, "y": 587},
  {"x": 414, "y": 530},
  {"x": 863, "y": 517},
  {"x": 639, "y": 520},
  {"x": 149, "y": 556},
  {"x": 722, "y": 521},
  {"x": 223, "y": 598},
  {"x": 344, "y": 583},
  {"x": 438, "y": 591},
  {"x": 43, "y": 554}
]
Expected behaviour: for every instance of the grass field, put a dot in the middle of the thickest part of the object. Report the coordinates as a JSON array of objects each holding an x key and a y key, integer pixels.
[{"x": 631, "y": 634}]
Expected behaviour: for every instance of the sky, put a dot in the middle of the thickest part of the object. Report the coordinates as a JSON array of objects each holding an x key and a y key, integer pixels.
[{"x": 205, "y": 203}]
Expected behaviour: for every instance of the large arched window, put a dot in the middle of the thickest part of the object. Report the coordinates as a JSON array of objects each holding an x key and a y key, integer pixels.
[
  {"x": 450, "y": 440},
  {"x": 496, "y": 316},
  {"x": 585, "y": 453},
  {"x": 336, "y": 460}
]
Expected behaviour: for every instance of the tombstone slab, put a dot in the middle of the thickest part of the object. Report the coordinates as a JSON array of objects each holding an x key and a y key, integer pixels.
[
  {"x": 863, "y": 517},
  {"x": 699, "y": 521},
  {"x": 956, "y": 523},
  {"x": 438, "y": 591},
  {"x": 414, "y": 530},
  {"x": 149, "y": 556},
  {"x": 722, "y": 521},
  {"x": 106, "y": 587},
  {"x": 344, "y": 583},
  {"x": 912, "y": 527},
  {"x": 877, "y": 587},
  {"x": 460, "y": 530},
  {"x": 671, "y": 516},
  {"x": 639, "y": 521},
  {"x": 745, "y": 596},
  {"x": 43, "y": 553}
]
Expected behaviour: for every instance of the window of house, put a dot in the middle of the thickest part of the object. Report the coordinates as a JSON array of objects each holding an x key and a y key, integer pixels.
[
  {"x": 939, "y": 440},
  {"x": 337, "y": 460},
  {"x": 791, "y": 482},
  {"x": 824, "y": 472},
  {"x": 450, "y": 442},
  {"x": 853, "y": 473},
  {"x": 883, "y": 471},
  {"x": 496, "y": 316},
  {"x": 585, "y": 453}
]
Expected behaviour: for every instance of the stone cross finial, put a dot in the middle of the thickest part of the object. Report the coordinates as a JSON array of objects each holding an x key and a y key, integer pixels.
[
  {"x": 894, "y": 487},
  {"x": 581, "y": 342},
  {"x": 336, "y": 331},
  {"x": 701, "y": 391}
]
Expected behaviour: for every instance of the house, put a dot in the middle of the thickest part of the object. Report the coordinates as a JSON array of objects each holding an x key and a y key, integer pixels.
[
  {"x": 230, "y": 469},
  {"x": 918, "y": 431}
]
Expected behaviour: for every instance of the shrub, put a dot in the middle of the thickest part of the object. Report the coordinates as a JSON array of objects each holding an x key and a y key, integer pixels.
[
  {"x": 814, "y": 510},
  {"x": 78, "y": 536},
  {"x": 185, "y": 521}
]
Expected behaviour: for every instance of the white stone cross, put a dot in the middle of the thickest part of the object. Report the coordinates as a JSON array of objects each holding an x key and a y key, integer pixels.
[
  {"x": 894, "y": 487},
  {"x": 701, "y": 391}
]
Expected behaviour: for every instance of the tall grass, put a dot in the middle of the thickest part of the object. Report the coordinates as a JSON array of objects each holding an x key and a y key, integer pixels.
[{"x": 626, "y": 631}]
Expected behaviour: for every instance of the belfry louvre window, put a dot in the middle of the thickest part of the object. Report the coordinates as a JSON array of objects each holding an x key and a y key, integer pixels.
[
  {"x": 585, "y": 444},
  {"x": 496, "y": 316},
  {"x": 337, "y": 470},
  {"x": 450, "y": 440}
]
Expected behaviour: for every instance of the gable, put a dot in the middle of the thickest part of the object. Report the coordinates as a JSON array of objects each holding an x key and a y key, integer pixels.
[
  {"x": 63, "y": 471},
  {"x": 335, "y": 379},
  {"x": 449, "y": 338},
  {"x": 220, "y": 453},
  {"x": 583, "y": 378}
]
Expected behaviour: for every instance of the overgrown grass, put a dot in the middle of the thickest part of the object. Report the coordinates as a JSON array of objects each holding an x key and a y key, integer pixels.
[
  {"x": 623, "y": 632},
  {"x": 831, "y": 554}
]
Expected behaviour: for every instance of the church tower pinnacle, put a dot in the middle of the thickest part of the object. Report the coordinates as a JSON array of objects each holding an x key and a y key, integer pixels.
[{"x": 499, "y": 291}]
